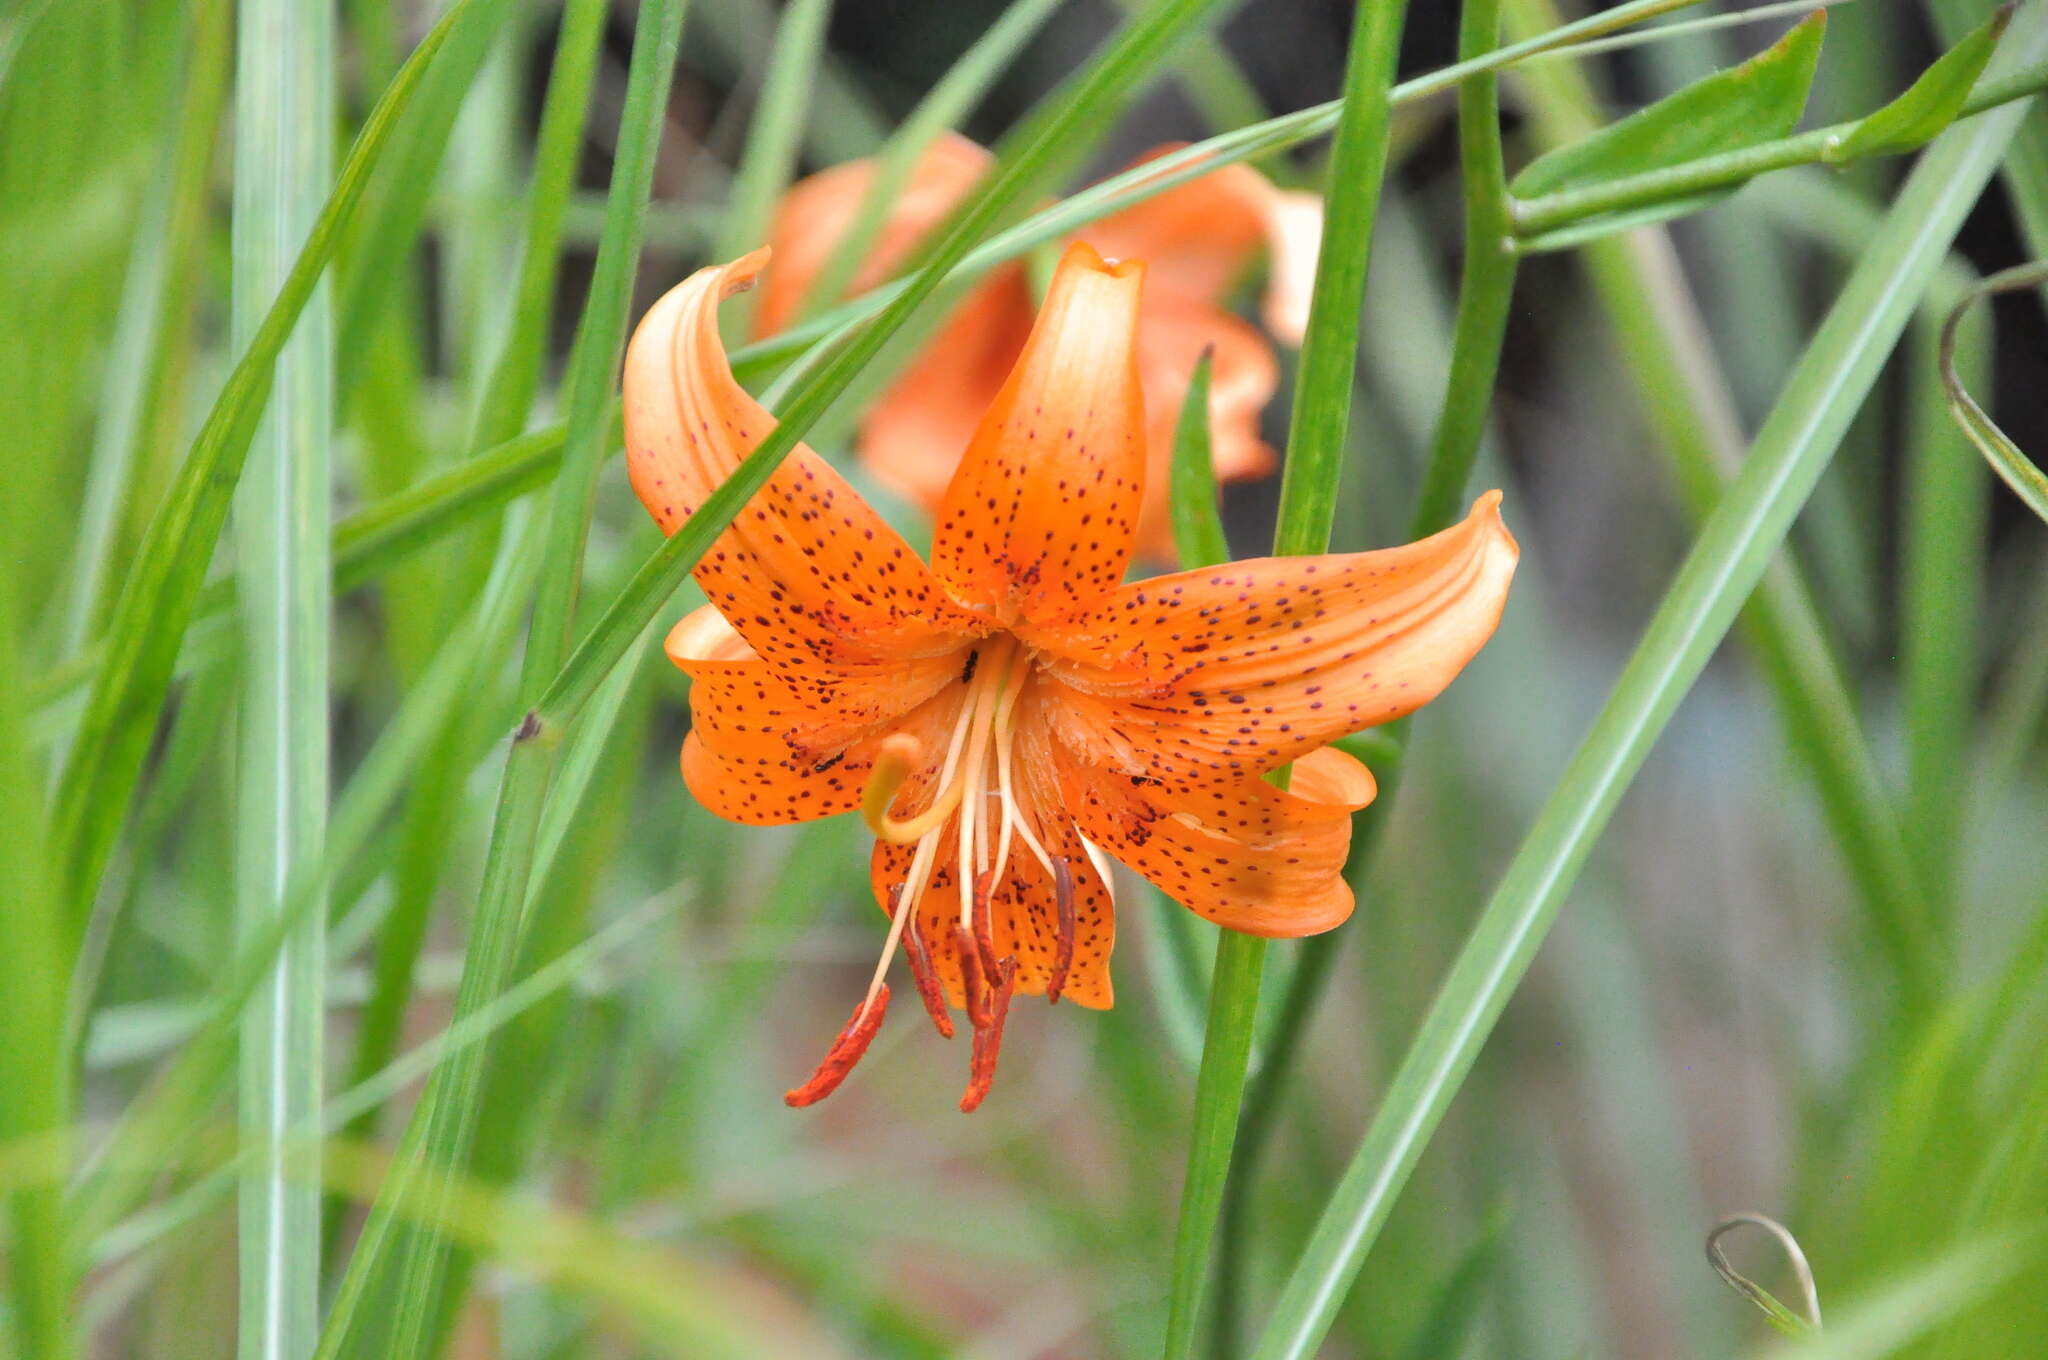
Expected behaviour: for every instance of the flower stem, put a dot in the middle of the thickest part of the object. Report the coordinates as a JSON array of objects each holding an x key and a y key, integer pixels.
[{"x": 1308, "y": 504}]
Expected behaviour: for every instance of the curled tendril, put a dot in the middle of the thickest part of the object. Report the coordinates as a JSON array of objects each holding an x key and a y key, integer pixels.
[
  {"x": 1779, "y": 1316},
  {"x": 2013, "y": 467}
]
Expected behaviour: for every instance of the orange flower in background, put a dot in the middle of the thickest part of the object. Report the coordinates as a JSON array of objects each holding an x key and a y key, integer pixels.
[
  {"x": 1011, "y": 715},
  {"x": 1197, "y": 240}
]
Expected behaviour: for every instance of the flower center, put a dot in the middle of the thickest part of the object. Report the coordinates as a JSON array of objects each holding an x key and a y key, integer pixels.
[{"x": 976, "y": 801}]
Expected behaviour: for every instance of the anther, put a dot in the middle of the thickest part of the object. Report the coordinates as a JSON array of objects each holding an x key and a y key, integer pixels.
[
  {"x": 928, "y": 989},
  {"x": 971, "y": 982},
  {"x": 846, "y": 1050},
  {"x": 1063, "y": 957},
  {"x": 988, "y": 1040},
  {"x": 984, "y": 923}
]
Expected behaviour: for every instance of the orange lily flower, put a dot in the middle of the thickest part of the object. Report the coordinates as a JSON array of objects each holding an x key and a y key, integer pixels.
[
  {"x": 1196, "y": 240},
  {"x": 1011, "y": 715}
]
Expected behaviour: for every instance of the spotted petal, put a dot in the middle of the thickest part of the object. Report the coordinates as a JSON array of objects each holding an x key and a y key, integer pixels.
[
  {"x": 808, "y": 573},
  {"x": 1042, "y": 513},
  {"x": 1248, "y": 856},
  {"x": 1209, "y": 677}
]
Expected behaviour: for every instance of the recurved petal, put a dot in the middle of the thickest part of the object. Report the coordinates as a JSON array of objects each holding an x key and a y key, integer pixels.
[
  {"x": 808, "y": 573},
  {"x": 1172, "y": 334},
  {"x": 1247, "y": 856},
  {"x": 1041, "y": 515},
  {"x": 817, "y": 212},
  {"x": 1208, "y": 677},
  {"x": 1199, "y": 237},
  {"x": 912, "y": 438},
  {"x": 766, "y": 751}
]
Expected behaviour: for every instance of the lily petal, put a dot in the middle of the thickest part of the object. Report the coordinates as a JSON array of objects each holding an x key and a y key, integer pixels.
[
  {"x": 808, "y": 573},
  {"x": 817, "y": 212},
  {"x": 1200, "y": 237},
  {"x": 1213, "y": 676},
  {"x": 1042, "y": 514},
  {"x": 766, "y": 752},
  {"x": 1250, "y": 856}
]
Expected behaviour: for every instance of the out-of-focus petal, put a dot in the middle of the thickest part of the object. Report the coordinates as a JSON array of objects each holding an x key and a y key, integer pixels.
[
  {"x": 913, "y": 437},
  {"x": 817, "y": 212}
]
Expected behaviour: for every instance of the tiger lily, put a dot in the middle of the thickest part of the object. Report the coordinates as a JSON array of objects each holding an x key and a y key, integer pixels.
[
  {"x": 1196, "y": 239},
  {"x": 1010, "y": 716}
]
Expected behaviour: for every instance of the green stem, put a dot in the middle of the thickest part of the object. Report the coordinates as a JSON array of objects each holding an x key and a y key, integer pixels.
[
  {"x": 1738, "y": 541},
  {"x": 1546, "y": 213},
  {"x": 284, "y": 155},
  {"x": 1219, "y": 1097},
  {"x": 1485, "y": 290},
  {"x": 1308, "y": 508}
]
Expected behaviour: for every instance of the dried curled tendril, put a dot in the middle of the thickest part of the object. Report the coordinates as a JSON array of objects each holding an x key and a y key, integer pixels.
[
  {"x": 2013, "y": 467},
  {"x": 1779, "y": 1316}
]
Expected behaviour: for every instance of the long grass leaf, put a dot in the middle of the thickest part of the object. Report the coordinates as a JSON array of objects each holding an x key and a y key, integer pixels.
[
  {"x": 1727, "y": 560},
  {"x": 284, "y": 157},
  {"x": 162, "y": 589}
]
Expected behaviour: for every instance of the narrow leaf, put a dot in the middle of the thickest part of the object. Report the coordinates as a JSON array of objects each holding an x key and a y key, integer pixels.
[
  {"x": 1930, "y": 104},
  {"x": 1197, "y": 527},
  {"x": 1758, "y": 101}
]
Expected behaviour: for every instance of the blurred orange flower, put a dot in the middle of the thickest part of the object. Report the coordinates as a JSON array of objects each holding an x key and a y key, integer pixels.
[
  {"x": 1011, "y": 715},
  {"x": 1197, "y": 241}
]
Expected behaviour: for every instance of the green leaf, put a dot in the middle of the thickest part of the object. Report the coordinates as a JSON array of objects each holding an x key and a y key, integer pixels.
[
  {"x": 157, "y": 602},
  {"x": 1606, "y": 224},
  {"x": 1930, "y": 104},
  {"x": 1758, "y": 101},
  {"x": 1197, "y": 528},
  {"x": 1734, "y": 547}
]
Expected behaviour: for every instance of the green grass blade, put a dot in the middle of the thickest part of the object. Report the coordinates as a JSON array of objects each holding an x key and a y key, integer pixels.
[
  {"x": 156, "y": 603},
  {"x": 1658, "y": 333},
  {"x": 37, "y": 1110},
  {"x": 1308, "y": 508},
  {"x": 1088, "y": 101},
  {"x": 284, "y": 159},
  {"x": 1727, "y": 561},
  {"x": 769, "y": 160},
  {"x": 1941, "y": 606},
  {"x": 1485, "y": 288},
  {"x": 1197, "y": 525},
  {"x": 1329, "y": 352},
  {"x": 405, "y": 1268},
  {"x": 503, "y": 405},
  {"x": 164, "y": 238},
  {"x": 948, "y": 103}
]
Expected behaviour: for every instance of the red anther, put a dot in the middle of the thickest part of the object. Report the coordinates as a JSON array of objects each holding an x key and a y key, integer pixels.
[
  {"x": 1063, "y": 957},
  {"x": 984, "y": 923},
  {"x": 971, "y": 985},
  {"x": 988, "y": 1040},
  {"x": 846, "y": 1051},
  {"x": 928, "y": 989}
]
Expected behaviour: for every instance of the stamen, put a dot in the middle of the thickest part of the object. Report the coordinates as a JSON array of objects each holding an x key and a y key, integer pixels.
[
  {"x": 970, "y": 978},
  {"x": 984, "y": 925},
  {"x": 846, "y": 1050},
  {"x": 928, "y": 989},
  {"x": 988, "y": 1040},
  {"x": 1063, "y": 959}
]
